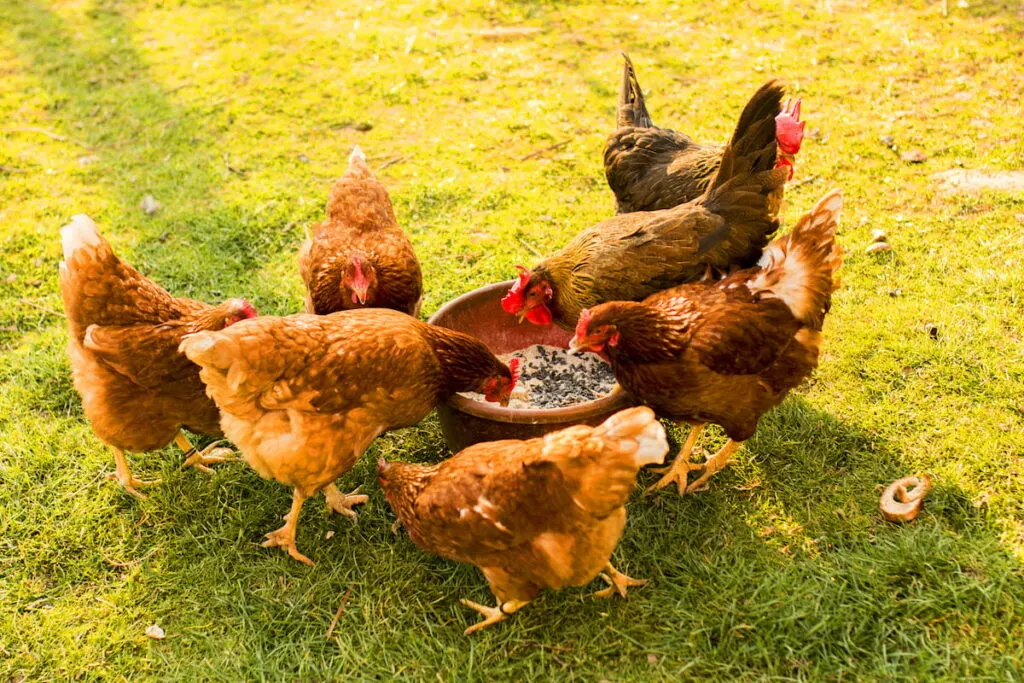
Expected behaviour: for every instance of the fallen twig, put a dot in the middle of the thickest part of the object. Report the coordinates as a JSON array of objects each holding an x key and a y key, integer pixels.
[
  {"x": 337, "y": 615},
  {"x": 29, "y": 302},
  {"x": 11, "y": 169},
  {"x": 390, "y": 162},
  {"x": 552, "y": 148},
  {"x": 47, "y": 133},
  {"x": 533, "y": 250}
]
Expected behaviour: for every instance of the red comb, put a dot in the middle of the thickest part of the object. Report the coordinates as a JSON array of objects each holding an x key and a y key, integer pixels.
[
  {"x": 513, "y": 366},
  {"x": 789, "y": 129},
  {"x": 249, "y": 311},
  {"x": 513, "y": 301}
]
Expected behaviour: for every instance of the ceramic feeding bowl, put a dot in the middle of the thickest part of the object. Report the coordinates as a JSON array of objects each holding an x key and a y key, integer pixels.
[{"x": 465, "y": 421}]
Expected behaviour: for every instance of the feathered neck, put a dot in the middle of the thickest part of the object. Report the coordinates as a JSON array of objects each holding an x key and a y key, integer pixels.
[
  {"x": 465, "y": 360},
  {"x": 646, "y": 333}
]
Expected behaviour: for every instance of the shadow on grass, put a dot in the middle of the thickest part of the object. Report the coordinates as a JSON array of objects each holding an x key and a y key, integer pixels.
[{"x": 146, "y": 143}]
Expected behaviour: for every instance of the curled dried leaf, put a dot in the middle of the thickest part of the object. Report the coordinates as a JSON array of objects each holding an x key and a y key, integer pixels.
[{"x": 875, "y": 247}]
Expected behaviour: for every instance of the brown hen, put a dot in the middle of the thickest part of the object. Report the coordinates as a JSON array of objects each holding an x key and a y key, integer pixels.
[
  {"x": 304, "y": 396},
  {"x": 650, "y": 168},
  {"x": 543, "y": 513},
  {"x": 137, "y": 390},
  {"x": 359, "y": 257},
  {"x": 725, "y": 352},
  {"x": 633, "y": 255}
]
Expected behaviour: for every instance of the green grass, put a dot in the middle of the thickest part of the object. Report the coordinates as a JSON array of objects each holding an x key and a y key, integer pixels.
[{"x": 783, "y": 570}]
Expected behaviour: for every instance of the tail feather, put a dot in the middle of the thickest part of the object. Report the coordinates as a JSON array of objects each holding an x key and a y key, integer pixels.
[
  {"x": 800, "y": 267},
  {"x": 765, "y": 103},
  {"x": 740, "y": 191},
  {"x": 632, "y": 108},
  {"x": 80, "y": 233},
  {"x": 357, "y": 167},
  {"x": 600, "y": 467}
]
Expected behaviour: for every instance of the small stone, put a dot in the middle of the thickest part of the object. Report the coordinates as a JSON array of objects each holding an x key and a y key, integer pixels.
[
  {"x": 895, "y": 292},
  {"x": 914, "y": 156},
  {"x": 163, "y": 237},
  {"x": 888, "y": 140},
  {"x": 877, "y": 235},
  {"x": 11, "y": 278},
  {"x": 932, "y": 330},
  {"x": 86, "y": 160},
  {"x": 149, "y": 205},
  {"x": 303, "y": 158},
  {"x": 329, "y": 535},
  {"x": 878, "y": 246},
  {"x": 155, "y": 632},
  {"x": 363, "y": 126},
  {"x": 652, "y": 658}
]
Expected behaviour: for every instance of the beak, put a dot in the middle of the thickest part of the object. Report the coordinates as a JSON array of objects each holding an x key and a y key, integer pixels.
[
  {"x": 361, "y": 296},
  {"x": 504, "y": 401},
  {"x": 575, "y": 346},
  {"x": 521, "y": 315}
]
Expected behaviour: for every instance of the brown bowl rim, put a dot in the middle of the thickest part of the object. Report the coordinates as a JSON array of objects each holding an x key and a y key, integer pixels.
[{"x": 615, "y": 400}]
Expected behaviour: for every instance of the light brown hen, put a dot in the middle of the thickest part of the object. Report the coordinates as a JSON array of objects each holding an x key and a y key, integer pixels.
[
  {"x": 137, "y": 390},
  {"x": 303, "y": 396},
  {"x": 543, "y": 513}
]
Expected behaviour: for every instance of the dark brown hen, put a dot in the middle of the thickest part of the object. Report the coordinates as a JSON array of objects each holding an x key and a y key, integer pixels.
[
  {"x": 725, "y": 352},
  {"x": 651, "y": 168}
]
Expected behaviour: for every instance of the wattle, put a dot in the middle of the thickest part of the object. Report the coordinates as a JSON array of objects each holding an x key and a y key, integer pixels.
[{"x": 539, "y": 315}]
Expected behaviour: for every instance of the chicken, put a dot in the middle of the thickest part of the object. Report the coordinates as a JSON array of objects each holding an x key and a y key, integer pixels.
[
  {"x": 633, "y": 255},
  {"x": 650, "y": 168},
  {"x": 123, "y": 334},
  {"x": 359, "y": 257},
  {"x": 725, "y": 352},
  {"x": 543, "y": 513},
  {"x": 305, "y": 412}
]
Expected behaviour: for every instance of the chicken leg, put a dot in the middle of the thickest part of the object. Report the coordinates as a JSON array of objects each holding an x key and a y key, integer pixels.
[
  {"x": 202, "y": 459},
  {"x": 617, "y": 582},
  {"x": 492, "y": 614},
  {"x": 342, "y": 502},
  {"x": 715, "y": 463},
  {"x": 284, "y": 537},
  {"x": 682, "y": 466},
  {"x": 123, "y": 475}
]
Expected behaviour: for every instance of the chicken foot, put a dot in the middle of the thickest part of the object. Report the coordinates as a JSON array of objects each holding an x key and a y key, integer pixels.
[
  {"x": 617, "y": 582},
  {"x": 715, "y": 463},
  {"x": 492, "y": 614},
  {"x": 284, "y": 537},
  {"x": 202, "y": 459},
  {"x": 123, "y": 475},
  {"x": 342, "y": 502},
  {"x": 680, "y": 469}
]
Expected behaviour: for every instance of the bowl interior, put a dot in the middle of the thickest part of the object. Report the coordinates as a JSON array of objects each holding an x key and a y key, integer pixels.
[{"x": 480, "y": 314}]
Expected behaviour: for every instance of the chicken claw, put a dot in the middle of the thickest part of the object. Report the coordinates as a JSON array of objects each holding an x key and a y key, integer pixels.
[
  {"x": 124, "y": 477},
  {"x": 676, "y": 474},
  {"x": 285, "y": 536},
  {"x": 617, "y": 583},
  {"x": 681, "y": 468},
  {"x": 492, "y": 614},
  {"x": 341, "y": 502},
  {"x": 208, "y": 456},
  {"x": 715, "y": 463}
]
